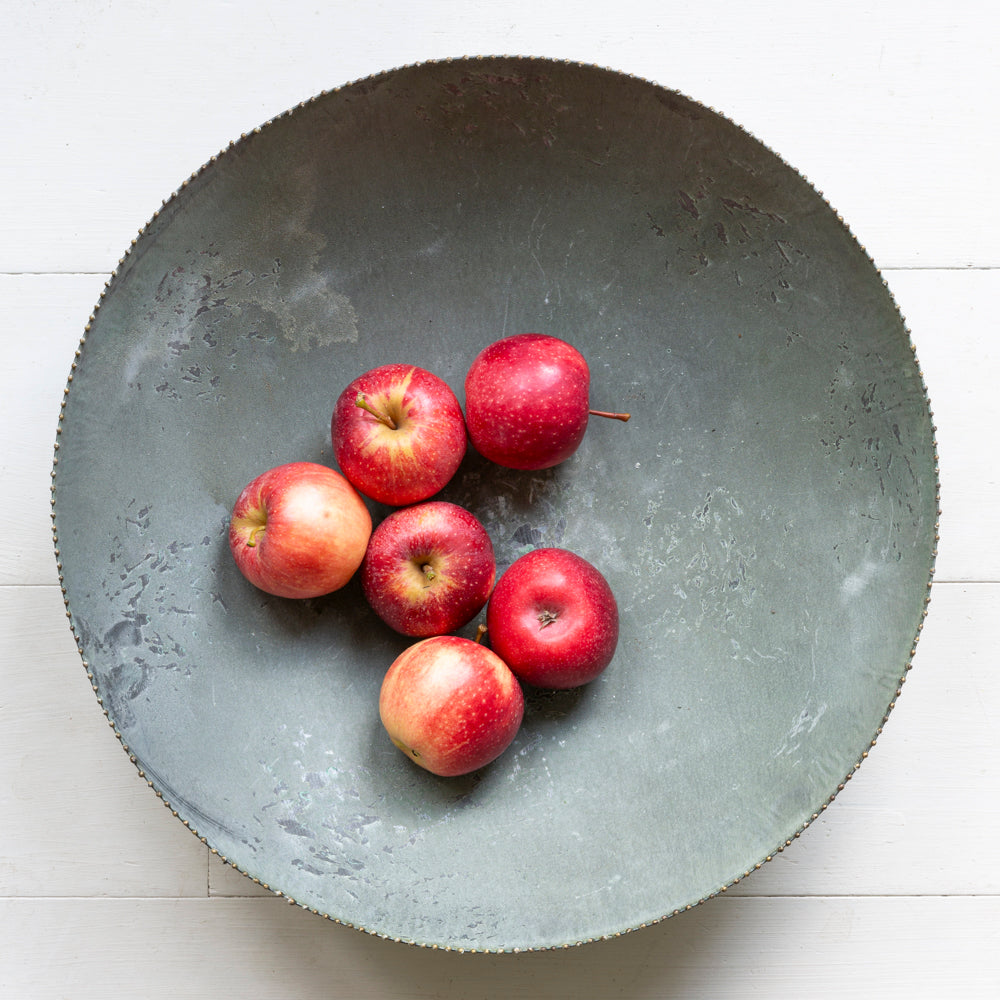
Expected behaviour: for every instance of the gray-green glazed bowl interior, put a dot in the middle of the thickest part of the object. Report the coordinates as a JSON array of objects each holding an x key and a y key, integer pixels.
[{"x": 766, "y": 519}]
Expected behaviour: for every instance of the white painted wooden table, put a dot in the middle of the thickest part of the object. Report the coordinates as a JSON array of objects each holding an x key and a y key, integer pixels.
[{"x": 890, "y": 109}]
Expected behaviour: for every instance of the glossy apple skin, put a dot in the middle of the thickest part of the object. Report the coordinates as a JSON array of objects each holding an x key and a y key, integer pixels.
[
  {"x": 553, "y": 619},
  {"x": 461, "y": 569},
  {"x": 527, "y": 401},
  {"x": 451, "y": 705},
  {"x": 299, "y": 530},
  {"x": 415, "y": 459}
]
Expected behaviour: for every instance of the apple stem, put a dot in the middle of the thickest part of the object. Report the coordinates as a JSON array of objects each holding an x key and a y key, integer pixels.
[
  {"x": 252, "y": 537},
  {"x": 428, "y": 572},
  {"x": 480, "y": 632},
  {"x": 623, "y": 417},
  {"x": 377, "y": 414}
]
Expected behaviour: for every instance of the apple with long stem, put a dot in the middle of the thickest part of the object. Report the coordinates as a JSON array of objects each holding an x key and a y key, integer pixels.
[
  {"x": 527, "y": 401},
  {"x": 398, "y": 434},
  {"x": 429, "y": 568},
  {"x": 553, "y": 619},
  {"x": 299, "y": 530},
  {"x": 451, "y": 704}
]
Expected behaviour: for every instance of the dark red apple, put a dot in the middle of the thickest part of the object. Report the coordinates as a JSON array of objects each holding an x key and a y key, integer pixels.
[
  {"x": 398, "y": 434},
  {"x": 527, "y": 401},
  {"x": 429, "y": 568},
  {"x": 299, "y": 530},
  {"x": 553, "y": 619},
  {"x": 451, "y": 705}
]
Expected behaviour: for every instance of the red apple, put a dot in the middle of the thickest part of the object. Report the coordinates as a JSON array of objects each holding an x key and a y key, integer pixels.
[
  {"x": 451, "y": 705},
  {"x": 398, "y": 434},
  {"x": 429, "y": 568},
  {"x": 527, "y": 401},
  {"x": 553, "y": 619},
  {"x": 299, "y": 530}
]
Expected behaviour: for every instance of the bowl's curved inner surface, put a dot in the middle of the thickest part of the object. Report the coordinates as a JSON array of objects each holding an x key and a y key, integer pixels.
[{"x": 766, "y": 518}]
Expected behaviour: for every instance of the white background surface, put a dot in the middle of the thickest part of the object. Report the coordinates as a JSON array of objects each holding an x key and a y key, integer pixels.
[{"x": 889, "y": 109}]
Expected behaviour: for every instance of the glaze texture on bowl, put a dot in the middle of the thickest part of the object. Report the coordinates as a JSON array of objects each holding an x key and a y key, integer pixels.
[{"x": 766, "y": 520}]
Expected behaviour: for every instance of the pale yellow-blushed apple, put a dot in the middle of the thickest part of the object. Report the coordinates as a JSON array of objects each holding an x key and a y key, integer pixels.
[
  {"x": 299, "y": 530},
  {"x": 451, "y": 705}
]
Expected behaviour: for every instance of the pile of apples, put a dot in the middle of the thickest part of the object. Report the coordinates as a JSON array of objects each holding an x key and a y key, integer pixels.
[{"x": 301, "y": 530}]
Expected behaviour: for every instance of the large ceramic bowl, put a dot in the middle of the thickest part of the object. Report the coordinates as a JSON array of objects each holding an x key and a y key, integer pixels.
[{"x": 767, "y": 518}]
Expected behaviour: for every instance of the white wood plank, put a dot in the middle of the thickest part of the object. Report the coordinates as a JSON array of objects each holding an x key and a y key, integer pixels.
[
  {"x": 75, "y": 817},
  {"x": 891, "y": 948},
  {"x": 921, "y": 814},
  {"x": 878, "y": 122},
  {"x": 952, "y": 318},
  {"x": 889, "y": 831},
  {"x": 225, "y": 880},
  {"x": 885, "y": 109},
  {"x": 895, "y": 827},
  {"x": 949, "y": 314},
  {"x": 44, "y": 319}
]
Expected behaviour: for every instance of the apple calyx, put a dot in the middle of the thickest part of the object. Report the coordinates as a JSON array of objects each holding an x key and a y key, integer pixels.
[
  {"x": 402, "y": 746},
  {"x": 623, "y": 417},
  {"x": 547, "y": 618},
  {"x": 377, "y": 414}
]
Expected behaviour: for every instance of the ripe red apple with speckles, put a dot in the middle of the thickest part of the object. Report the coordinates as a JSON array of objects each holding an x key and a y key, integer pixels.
[
  {"x": 299, "y": 530},
  {"x": 527, "y": 401},
  {"x": 398, "y": 434},
  {"x": 553, "y": 619},
  {"x": 429, "y": 568},
  {"x": 451, "y": 705}
]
